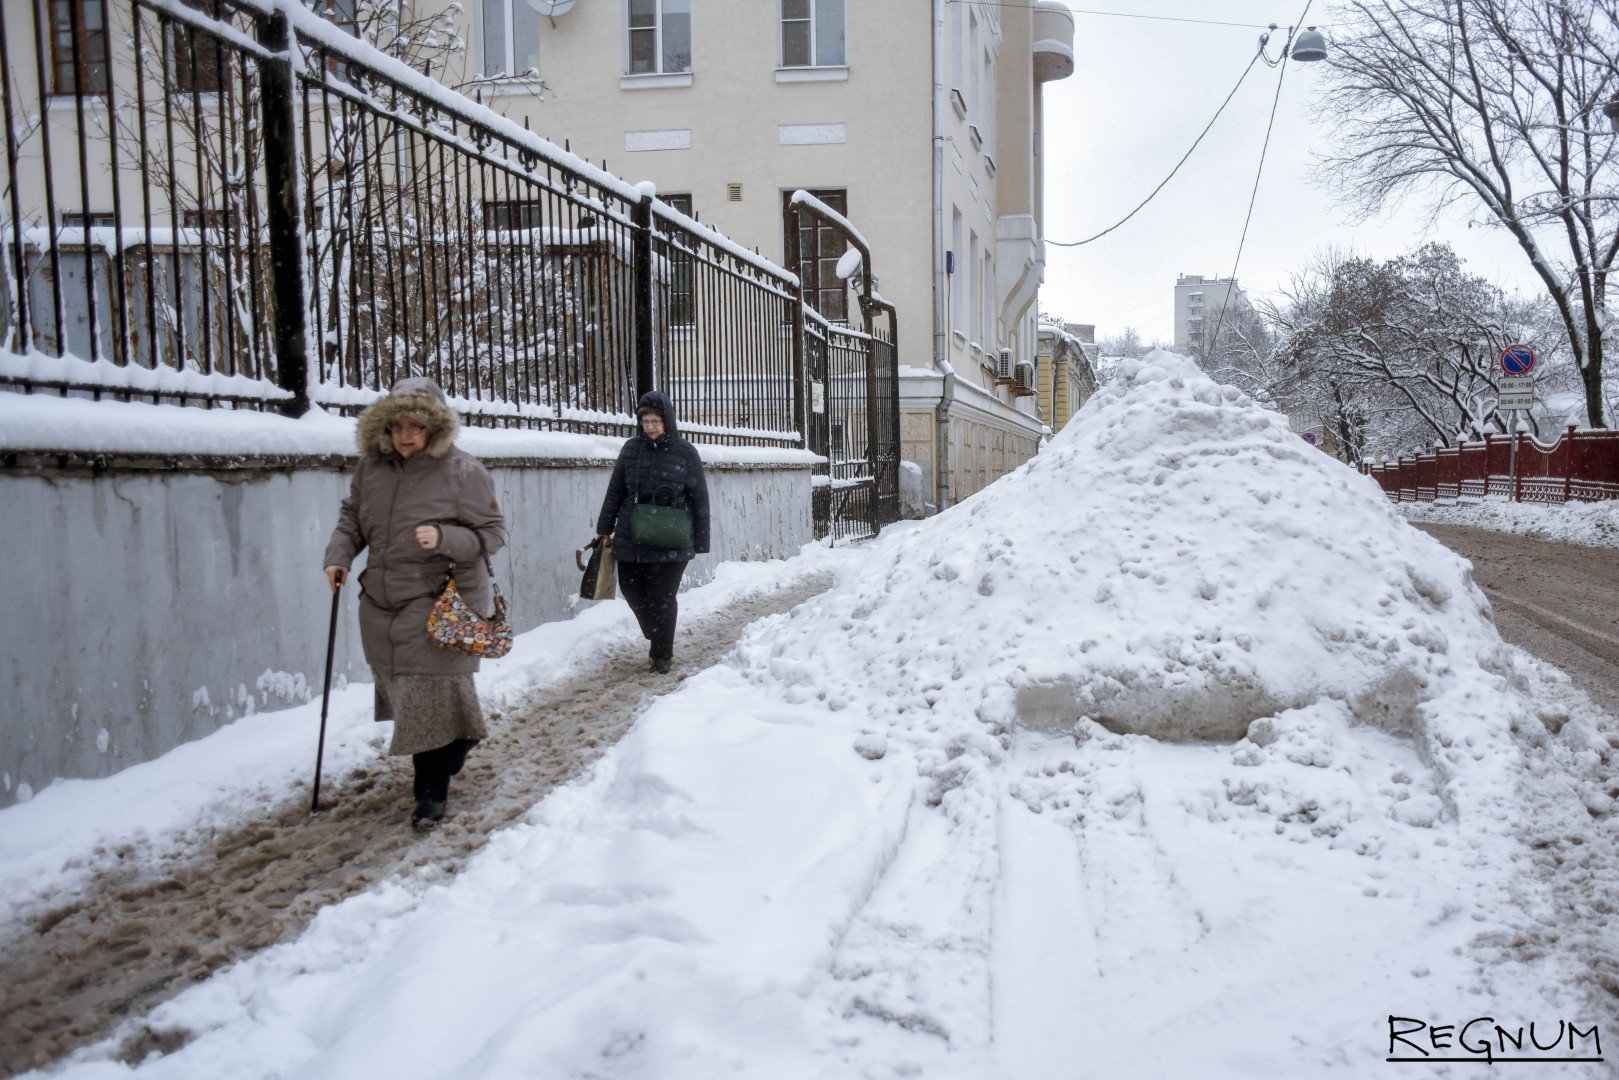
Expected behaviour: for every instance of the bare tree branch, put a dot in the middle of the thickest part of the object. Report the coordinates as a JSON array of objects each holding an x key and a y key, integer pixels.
[{"x": 1495, "y": 105}]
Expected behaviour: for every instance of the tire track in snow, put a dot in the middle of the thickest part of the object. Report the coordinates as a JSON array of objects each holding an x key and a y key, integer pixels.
[
  {"x": 1560, "y": 603},
  {"x": 143, "y": 931}
]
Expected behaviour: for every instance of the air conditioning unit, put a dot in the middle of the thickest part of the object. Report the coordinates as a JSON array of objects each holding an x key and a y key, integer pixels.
[
  {"x": 1004, "y": 372},
  {"x": 1023, "y": 378}
]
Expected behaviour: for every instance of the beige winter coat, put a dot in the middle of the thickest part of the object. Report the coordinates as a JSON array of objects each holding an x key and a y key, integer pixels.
[{"x": 389, "y": 497}]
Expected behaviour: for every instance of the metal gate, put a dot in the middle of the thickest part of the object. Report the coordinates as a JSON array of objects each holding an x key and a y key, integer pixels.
[{"x": 851, "y": 400}]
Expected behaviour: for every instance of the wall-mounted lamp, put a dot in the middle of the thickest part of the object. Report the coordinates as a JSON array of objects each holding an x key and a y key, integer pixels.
[{"x": 1611, "y": 111}]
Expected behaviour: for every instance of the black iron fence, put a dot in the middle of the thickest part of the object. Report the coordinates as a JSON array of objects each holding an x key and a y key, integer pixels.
[{"x": 237, "y": 204}]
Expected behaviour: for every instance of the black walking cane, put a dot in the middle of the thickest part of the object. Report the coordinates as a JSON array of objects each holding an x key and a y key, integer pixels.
[{"x": 326, "y": 695}]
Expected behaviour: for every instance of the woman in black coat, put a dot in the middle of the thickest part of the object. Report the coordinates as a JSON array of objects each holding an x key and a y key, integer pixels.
[{"x": 656, "y": 467}]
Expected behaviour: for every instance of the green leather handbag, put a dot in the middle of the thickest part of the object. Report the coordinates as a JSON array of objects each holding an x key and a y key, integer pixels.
[
  {"x": 665, "y": 527},
  {"x": 658, "y": 525}
]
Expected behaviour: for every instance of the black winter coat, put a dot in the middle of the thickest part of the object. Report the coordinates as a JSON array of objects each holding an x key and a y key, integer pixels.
[{"x": 665, "y": 470}]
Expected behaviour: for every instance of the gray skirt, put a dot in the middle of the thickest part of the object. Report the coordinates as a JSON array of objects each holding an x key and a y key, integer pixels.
[{"x": 429, "y": 711}]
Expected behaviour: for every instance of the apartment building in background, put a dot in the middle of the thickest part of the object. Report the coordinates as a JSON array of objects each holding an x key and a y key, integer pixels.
[
  {"x": 921, "y": 123},
  {"x": 1199, "y": 302}
]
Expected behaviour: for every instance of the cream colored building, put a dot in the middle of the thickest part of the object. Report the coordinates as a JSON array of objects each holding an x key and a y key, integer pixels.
[
  {"x": 921, "y": 123},
  {"x": 1067, "y": 376}
]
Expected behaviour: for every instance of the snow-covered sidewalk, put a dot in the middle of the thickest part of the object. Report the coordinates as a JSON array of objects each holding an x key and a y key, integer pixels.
[
  {"x": 1176, "y": 753},
  {"x": 1593, "y": 524}
]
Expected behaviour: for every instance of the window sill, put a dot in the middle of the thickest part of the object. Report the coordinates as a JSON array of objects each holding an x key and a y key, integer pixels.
[
  {"x": 989, "y": 166},
  {"x": 655, "y": 82},
  {"x": 812, "y": 74},
  {"x": 958, "y": 103},
  {"x": 977, "y": 138},
  {"x": 959, "y": 338},
  {"x": 508, "y": 87}
]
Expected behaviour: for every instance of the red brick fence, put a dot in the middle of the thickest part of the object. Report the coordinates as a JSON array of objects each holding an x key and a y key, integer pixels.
[{"x": 1579, "y": 465}]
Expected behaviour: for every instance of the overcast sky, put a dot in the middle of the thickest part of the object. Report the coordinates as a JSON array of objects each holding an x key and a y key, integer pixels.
[{"x": 1142, "y": 91}]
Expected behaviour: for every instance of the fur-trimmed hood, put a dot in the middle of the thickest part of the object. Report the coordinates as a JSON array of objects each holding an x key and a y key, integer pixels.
[{"x": 422, "y": 401}]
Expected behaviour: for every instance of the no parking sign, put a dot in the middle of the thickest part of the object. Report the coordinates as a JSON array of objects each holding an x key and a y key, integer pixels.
[{"x": 1517, "y": 360}]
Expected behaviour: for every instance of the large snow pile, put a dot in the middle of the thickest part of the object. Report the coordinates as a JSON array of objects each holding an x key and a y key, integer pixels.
[{"x": 1177, "y": 564}]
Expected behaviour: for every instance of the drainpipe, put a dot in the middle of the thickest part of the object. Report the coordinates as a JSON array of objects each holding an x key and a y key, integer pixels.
[{"x": 941, "y": 331}]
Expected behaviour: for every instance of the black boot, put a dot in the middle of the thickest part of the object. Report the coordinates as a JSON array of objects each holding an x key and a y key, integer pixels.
[
  {"x": 427, "y": 815},
  {"x": 432, "y": 787}
]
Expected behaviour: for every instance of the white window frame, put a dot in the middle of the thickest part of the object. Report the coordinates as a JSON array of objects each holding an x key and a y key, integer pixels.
[
  {"x": 814, "y": 21},
  {"x": 508, "y": 36},
  {"x": 986, "y": 278},
  {"x": 975, "y": 297},
  {"x": 657, "y": 44},
  {"x": 986, "y": 122}
]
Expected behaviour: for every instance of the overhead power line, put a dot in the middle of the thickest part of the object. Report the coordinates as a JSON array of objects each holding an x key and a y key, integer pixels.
[
  {"x": 1254, "y": 196},
  {"x": 1178, "y": 164}
]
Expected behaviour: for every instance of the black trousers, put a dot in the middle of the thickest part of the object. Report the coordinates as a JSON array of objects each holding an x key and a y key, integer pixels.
[
  {"x": 650, "y": 588},
  {"x": 435, "y": 767}
]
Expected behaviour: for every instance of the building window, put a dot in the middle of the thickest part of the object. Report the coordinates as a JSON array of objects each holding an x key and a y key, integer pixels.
[
  {"x": 511, "y": 39},
  {"x": 213, "y": 221},
  {"x": 975, "y": 331},
  {"x": 812, "y": 33},
  {"x": 683, "y": 280},
  {"x": 819, "y": 249},
  {"x": 341, "y": 14},
  {"x": 986, "y": 279},
  {"x": 508, "y": 214},
  {"x": 660, "y": 36},
  {"x": 199, "y": 63},
  {"x": 952, "y": 13},
  {"x": 973, "y": 104},
  {"x": 986, "y": 118},
  {"x": 78, "y": 62}
]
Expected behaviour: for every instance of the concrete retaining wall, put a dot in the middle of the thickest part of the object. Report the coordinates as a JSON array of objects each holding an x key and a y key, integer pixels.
[{"x": 153, "y": 600}]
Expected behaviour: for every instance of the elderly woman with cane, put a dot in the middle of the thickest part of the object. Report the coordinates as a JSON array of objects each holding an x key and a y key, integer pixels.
[
  {"x": 424, "y": 510},
  {"x": 656, "y": 511}
]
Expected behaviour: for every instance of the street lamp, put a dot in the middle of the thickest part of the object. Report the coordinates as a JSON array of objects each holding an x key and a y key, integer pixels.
[
  {"x": 1611, "y": 111},
  {"x": 1310, "y": 47},
  {"x": 1307, "y": 48}
]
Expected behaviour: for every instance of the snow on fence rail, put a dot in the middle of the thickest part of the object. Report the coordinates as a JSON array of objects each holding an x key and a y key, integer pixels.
[{"x": 1580, "y": 465}]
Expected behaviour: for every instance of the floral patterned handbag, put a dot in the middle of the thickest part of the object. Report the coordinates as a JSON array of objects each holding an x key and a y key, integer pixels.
[{"x": 452, "y": 625}]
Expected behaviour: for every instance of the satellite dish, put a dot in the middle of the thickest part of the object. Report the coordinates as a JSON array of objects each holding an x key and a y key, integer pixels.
[{"x": 553, "y": 8}]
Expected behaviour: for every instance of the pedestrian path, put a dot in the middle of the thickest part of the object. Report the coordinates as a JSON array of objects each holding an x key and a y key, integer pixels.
[{"x": 137, "y": 936}]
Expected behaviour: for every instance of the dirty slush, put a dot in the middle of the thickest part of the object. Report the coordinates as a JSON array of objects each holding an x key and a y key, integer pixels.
[{"x": 140, "y": 933}]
